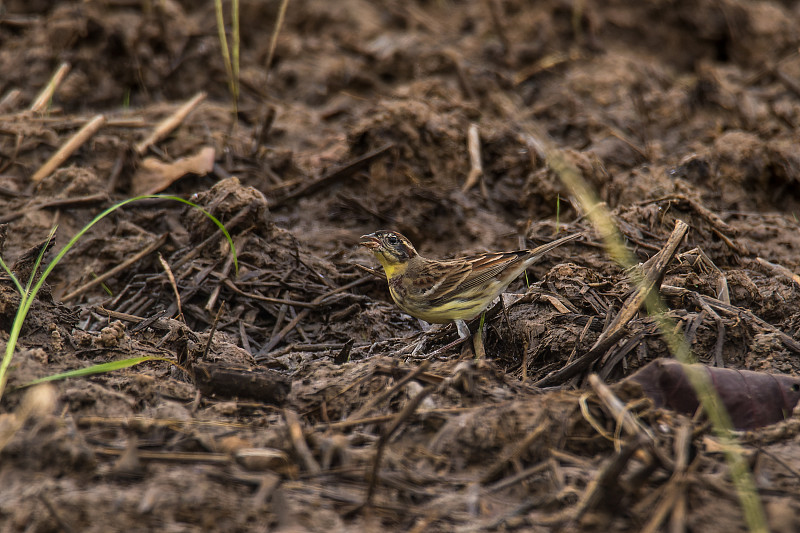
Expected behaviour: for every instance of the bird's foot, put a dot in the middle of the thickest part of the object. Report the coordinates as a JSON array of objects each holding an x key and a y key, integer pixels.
[
  {"x": 443, "y": 349},
  {"x": 463, "y": 335}
]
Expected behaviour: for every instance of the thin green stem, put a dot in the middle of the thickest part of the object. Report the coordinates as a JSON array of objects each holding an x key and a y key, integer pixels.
[
  {"x": 558, "y": 212},
  {"x": 236, "y": 46},
  {"x": 11, "y": 275},
  {"x": 612, "y": 240},
  {"x": 226, "y": 54},
  {"x": 97, "y": 369}
]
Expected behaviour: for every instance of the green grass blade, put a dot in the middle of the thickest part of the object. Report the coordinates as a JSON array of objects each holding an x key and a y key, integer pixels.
[
  {"x": 273, "y": 43},
  {"x": 113, "y": 208},
  {"x": 226, "y": 55},
  {"x": 39, "y": 258},
  {"x": 11, "y": 275},
  {"x": 24, "y": 305},
  {"x": 13, "y": 336},
  {"x": 478, "y": 340},
  {"x": 223, "y": 39},
  {"x": 558, "y": 211},
  {"x": 103, "y": 285},
  {"x": 28, "y": 294},
  {"x": 97, "y": 369},
  {"x": 212, "y": 218},
  {"x": 235, "y": 66}
]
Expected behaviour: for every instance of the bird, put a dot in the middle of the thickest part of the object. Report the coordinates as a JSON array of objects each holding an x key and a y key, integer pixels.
[{"x": 452, "y": 290}]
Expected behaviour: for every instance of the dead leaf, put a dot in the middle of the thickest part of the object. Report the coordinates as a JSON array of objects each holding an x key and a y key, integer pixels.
[
  {"x": 752, "y": 399},
  {"x": 153, "y": 176}
]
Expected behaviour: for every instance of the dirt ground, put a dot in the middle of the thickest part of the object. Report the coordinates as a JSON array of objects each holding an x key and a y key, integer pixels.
[{"x": 295, "y": 402}]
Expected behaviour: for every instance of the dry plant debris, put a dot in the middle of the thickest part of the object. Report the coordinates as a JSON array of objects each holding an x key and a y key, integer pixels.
[{"x": 296, "y": 403}]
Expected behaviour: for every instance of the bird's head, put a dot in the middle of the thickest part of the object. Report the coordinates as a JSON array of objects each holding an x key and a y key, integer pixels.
[{"x": 390, "y": 248}]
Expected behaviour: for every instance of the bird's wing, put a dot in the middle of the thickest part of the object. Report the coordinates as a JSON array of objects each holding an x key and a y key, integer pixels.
[
  {"x": 446, "y": 280},
  {"x": 500, "y": 267},
  {"x": 437, "y": 279},
  {"x": 440, "y": 281},
  {"x": 505, "y": 267}
]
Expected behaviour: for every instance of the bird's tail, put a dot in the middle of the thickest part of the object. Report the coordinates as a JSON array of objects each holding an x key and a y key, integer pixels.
[{"x": 538, "y": 252}]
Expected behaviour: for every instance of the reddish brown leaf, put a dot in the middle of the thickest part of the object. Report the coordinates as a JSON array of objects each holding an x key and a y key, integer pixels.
[{"x": 753, "y": 399}]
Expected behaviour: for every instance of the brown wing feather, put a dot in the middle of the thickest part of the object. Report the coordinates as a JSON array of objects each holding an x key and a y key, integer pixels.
[
  {"x": 506, "y": 266},
  {"x": 496, "y": 266},
  {"x": 446, "y": 278}
]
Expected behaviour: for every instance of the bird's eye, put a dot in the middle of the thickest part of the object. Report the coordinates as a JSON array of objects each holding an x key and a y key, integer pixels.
[{"x": 392, "y": 239}]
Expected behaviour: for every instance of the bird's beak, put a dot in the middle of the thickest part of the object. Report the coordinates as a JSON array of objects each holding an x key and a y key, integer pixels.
[{"x": 370, "y": 241}]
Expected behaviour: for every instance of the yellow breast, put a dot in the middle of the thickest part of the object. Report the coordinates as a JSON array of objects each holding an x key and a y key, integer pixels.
[{"x": 392, "y": 269}]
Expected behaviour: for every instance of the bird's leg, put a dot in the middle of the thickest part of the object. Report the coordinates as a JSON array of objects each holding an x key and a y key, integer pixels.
[
  {"x": 426, "y": 329},
  {"x": 463, "y": 335}
]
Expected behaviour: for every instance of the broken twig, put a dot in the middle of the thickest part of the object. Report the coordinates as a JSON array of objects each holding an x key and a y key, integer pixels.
[
  {"x": 170, "y": 123},
  {"x": 74, "y": 142}
]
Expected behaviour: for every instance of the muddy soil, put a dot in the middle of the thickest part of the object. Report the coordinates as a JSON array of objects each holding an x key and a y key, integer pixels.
[{"x": 286, "y": 393}]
